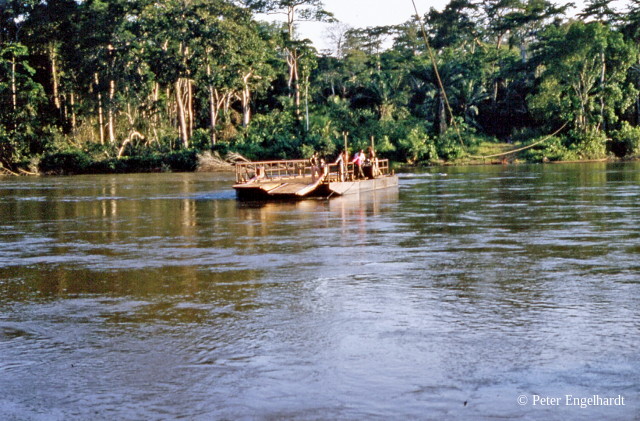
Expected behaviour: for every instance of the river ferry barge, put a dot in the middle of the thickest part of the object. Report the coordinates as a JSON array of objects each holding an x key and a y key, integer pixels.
[{"x": 296, "y": 179}]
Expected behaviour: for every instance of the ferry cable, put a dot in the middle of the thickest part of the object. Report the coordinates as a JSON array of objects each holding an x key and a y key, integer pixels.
[
  {"x": 446, "y": 99},
  {"x": 437, "y": 73},
  {"x": 522, "y": 148}
]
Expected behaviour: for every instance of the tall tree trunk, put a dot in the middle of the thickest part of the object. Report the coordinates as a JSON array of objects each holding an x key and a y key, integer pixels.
[
  {"x": 154, "y": 110},
  {"x": 213, "y": 115},
  {"x": 292, "y": 58},
  {"x": 225, "y": 101},
  {"x": 246, "y": 100},
  {"x": 442, "y": 115},
  {"x": 213, "y": 110},
  {"x": 100, "y": 109},
  {"x": 73, "y": 111},
  {"x": 65, "y": 109},
  {"x": 523, "y": 49},
  {"x": 14, "y": 89},
  {"x": 494, "y": 95},
  {"x": 603, "y": 74},
  {"x": 638, "y": 105},
  {"x": 184, "y": 134},
  {"x": 297, "y": 94},
  {"x": 54, "y": 76},
  {"x": 294, "y": 79},
  {"x": 130, "y": 116},
  {"x": 190, "y": 106},
  {"x": 306, "y": 101},
  {"x": 582, "y": 116},
  {"x": 112, "y": 94},
  {"x": 169, "y": 104}
]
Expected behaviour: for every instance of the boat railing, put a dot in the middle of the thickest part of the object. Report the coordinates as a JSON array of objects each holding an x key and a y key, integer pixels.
[
  {"x": 383, "y": 166},
  {"x": 294, "y": 168},
  {"x": 371, "y": 169},
  {"x": 302, "y": 168}
]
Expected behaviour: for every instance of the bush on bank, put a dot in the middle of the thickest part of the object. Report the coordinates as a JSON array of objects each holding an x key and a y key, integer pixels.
[
  {"x": 80, "y": 162},
  {"x": 67, "y": 162},
  {"x": 573, "y": 146},
  {"x": 626, "y": 141}
]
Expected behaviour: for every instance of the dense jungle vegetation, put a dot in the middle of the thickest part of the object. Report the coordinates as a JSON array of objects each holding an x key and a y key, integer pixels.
[{"x": 143, "y": 85}]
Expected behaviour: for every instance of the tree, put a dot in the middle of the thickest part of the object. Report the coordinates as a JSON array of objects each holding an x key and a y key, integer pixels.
[
  {"x": 570, "y": 66},
  {"x": 454, "y": 25},
  {"x": 631, "y": 22},
  {"x": 631, "y": 30},
  {"x": 383, "y": 90},
  {"x": 427, "y": 91},
  {"x": 498, "y": 25},
  {"x": 237, "y": 61},
  {"x": 337, "y": 34},
  {"x": 20, "y": 98},
  {"x": 295, "y": 11},
  {"x": 600, "y": 11},
  {"x": 13, "y": 15},
  {"x": 105, "y": 62},
  {"x": 527, "y": 19},
  {"x": 49, "y": 27}
]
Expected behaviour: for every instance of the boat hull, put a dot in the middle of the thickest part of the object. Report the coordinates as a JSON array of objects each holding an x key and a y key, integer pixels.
[
  {"x": 328, "y": 189},
  {"x": 342, "y": 188}
]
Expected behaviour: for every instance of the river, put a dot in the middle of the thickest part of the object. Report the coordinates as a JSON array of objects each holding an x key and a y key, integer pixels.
[{"x": 467, "y": 293}]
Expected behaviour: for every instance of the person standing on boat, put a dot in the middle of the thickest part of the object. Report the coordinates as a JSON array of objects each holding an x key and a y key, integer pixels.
[
  {"x": 372, "y": 159},
  {"x": 358, "y": 159},
  {"x": 340, "y": 160},
  {"x": 314, "y": 162}
]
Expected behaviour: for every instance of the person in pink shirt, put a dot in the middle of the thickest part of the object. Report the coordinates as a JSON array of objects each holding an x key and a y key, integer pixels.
[{"x": 358, "y": 159}]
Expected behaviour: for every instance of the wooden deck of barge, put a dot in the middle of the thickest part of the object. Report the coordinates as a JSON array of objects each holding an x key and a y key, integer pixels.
[{"x": 291, "y": 179}]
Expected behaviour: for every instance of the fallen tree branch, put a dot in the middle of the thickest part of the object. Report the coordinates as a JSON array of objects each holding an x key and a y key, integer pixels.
[
  {"x": 213, "y": 162},
  {"x": 7, "y": 171},
  {"x": 132, "y": 136}
]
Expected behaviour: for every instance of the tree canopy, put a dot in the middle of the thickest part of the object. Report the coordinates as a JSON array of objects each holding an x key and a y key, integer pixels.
[{"x": 114, "y": 80}]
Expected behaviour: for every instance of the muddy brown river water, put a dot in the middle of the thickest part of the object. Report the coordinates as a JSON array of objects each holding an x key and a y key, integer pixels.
[{"x": 475, "y": 293}]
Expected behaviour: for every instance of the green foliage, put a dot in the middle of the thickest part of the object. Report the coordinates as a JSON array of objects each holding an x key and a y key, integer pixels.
[
  {"x": 82, "y": 83},
  {"x": 76, "y": 161},
  {"x": 270, "y": 136},
  {"x": 417, "y": 146},
  {"x": 449, "y": 146},
  {"x": 457, "y": 140},
  {"x": 574, "y": 146},
  {"x": 68, "y": 162},
  {"x": 140, "y": 163},
  {"x": 201, "y": 139},
  {"x": 453, "y": 25},
  {"x": 588, "y": 145},
  {"x": 583, "y": 68},
  {"x": 526, "y": 135},
  {"x": 22, "y": 132},
  {"x": 182, "y": 160},
  {"x": 384, "y": 146},
  {"x": 9, "y": 149},
  {"x": 625, "y": 142},
  {"x": 553, "y": 149}
]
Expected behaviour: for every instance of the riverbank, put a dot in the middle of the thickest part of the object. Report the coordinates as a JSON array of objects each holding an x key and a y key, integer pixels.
[
  {"x": 77, "y": 162},
  {"x": 489, "y": 153}
]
